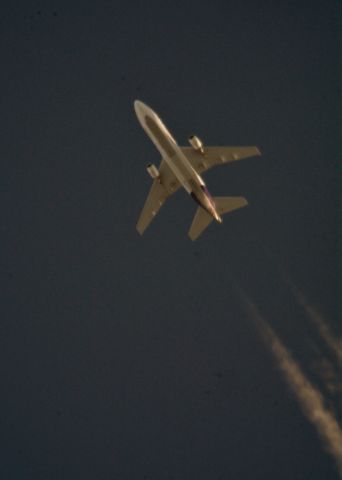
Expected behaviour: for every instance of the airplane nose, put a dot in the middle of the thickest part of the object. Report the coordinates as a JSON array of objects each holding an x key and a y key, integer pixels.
[
  {"x": 137, "y": 106},
  {"x": 140, "y": 110}
]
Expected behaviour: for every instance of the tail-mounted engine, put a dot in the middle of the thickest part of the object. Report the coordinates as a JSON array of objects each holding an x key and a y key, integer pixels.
[
  {"x": 153, "y": 171},
  {"x": 196, "y": 143}
]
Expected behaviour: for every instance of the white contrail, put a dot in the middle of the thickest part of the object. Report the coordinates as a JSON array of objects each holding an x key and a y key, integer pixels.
[
  {"x": 308, "y": 396},
  {"x": 335, "y": 344}
]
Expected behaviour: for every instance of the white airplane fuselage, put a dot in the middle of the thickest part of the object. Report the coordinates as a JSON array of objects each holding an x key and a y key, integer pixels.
[{"x": 175, "y": 158}]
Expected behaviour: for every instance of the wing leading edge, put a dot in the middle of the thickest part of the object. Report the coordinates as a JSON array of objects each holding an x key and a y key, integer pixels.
[{"x": 213, "y": 156}]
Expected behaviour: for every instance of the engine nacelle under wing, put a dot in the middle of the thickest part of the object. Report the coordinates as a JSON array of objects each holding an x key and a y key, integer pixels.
[
  {"x": 196, "y": 143},
  {"x": 153, "y": 171}
]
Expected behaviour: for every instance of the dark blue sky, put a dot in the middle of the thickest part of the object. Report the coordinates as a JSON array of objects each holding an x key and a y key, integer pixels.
[{"x": 129, "y": 357}]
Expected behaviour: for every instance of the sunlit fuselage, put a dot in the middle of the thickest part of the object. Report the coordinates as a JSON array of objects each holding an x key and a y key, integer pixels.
[{"x": 175, "y": 158}]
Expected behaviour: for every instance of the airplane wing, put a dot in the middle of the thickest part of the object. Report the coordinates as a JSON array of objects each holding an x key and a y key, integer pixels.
[
  {"x": 161, "y": 189},
  {"x": 217, "y": 156}
]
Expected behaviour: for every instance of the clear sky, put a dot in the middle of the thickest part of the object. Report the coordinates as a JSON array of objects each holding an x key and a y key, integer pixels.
[{"x": 154, "y": 357}]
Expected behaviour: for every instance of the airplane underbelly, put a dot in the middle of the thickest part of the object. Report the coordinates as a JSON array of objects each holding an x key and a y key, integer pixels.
[
  {"x": 185, "y": 175},
  {"x": 172, "y": 154}
]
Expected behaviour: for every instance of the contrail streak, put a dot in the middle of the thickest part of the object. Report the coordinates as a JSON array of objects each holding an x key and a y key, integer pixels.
[
  {"x": 318, "y": 320},
  {"x": 308, "y": 396}
]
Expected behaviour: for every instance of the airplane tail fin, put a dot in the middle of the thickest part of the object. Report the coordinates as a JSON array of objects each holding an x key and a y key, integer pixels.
[{"x": 203, "y": 219}]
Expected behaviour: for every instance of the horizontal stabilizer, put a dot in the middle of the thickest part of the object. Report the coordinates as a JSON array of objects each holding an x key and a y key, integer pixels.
[
  {"x": 200, "y": 222},
  {"x": 228, "y": 204},
  {"x": 203, "y": 219}
]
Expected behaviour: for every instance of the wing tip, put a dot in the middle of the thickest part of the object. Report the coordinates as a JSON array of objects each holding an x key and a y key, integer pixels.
[{"x": 139, "y": 229}]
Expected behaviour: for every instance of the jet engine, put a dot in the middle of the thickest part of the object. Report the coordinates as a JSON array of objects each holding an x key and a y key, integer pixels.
[
  {"x": 196, "y": 143},
  {"x": 153, "y": 171}
]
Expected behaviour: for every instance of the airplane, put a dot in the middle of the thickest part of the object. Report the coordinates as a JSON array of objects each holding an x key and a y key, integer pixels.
[{"x": 182, "y": 167}]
